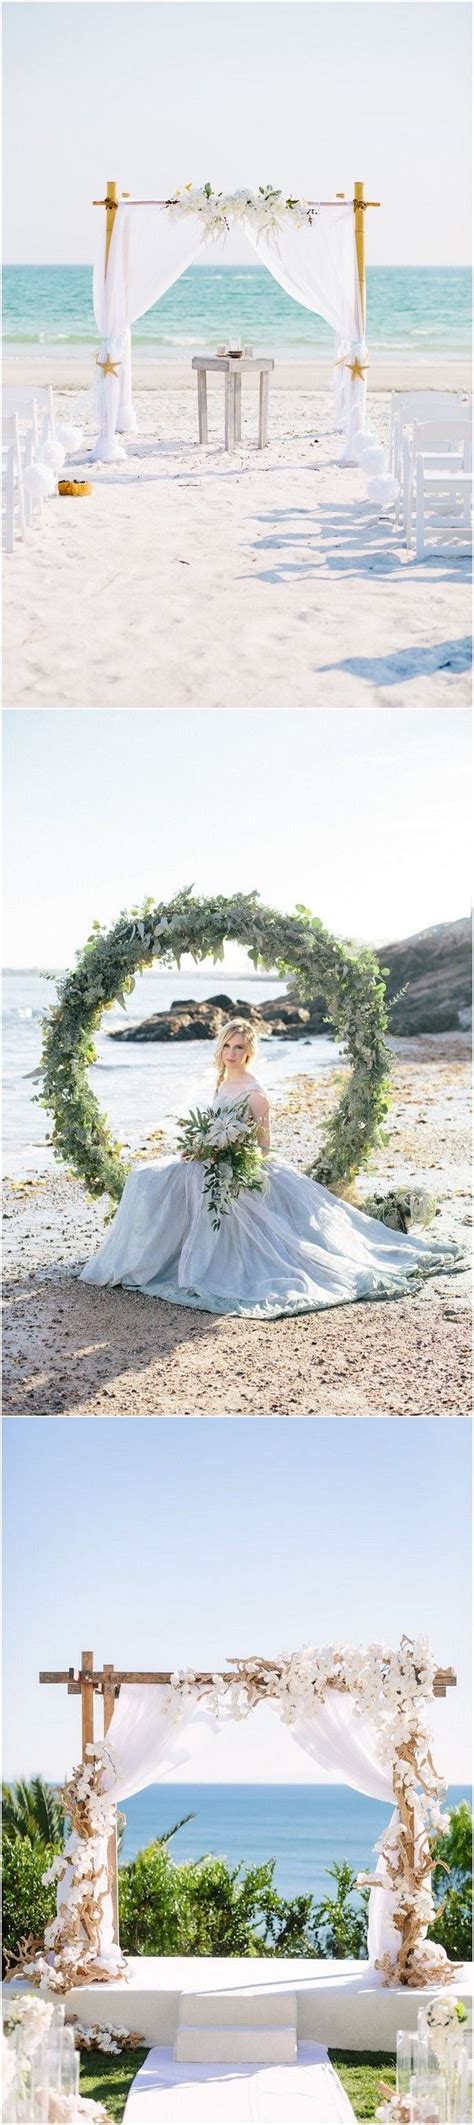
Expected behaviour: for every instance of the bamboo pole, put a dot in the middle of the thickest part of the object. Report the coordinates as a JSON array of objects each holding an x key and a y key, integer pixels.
[
  {"x": 112, "y": 1847},
  {"x": 87, "y": 1700},
  {"x": 359, "y": 211},
  {"x": 111, "y": 204}
]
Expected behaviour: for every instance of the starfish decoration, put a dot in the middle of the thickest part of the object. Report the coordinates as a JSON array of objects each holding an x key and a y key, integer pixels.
[
  {"x": 356, "y": 367},
  {"x": 108, "y": 368}
]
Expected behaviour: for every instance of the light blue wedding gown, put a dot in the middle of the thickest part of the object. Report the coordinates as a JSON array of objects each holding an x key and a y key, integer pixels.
[{"x": 295, "y": 1248}]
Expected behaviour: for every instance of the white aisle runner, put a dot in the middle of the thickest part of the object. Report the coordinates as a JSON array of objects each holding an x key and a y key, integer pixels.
[{"x": 164, "y": 2093}]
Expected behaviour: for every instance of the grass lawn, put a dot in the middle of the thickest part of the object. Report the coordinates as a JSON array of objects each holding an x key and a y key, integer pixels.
[
  {"x": 109, "y": 2079},
  {"x": 360, "y": 2077}
]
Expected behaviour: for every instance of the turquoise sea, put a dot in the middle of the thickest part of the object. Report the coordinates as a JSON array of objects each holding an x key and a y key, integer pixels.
[
  {"x": 304, "y": 1828},
  {"x": 143, "y": 1087},
  {"x": 416, "y": 310}
]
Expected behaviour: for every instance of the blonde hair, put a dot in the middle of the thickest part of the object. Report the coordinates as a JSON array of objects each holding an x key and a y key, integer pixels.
[{"x": 234, "y": 1025}]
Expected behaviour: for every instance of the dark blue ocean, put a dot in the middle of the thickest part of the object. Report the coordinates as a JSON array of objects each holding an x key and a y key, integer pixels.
[
  {"x": 416, "y": 310},
  {"x": 304, "y": 1828}
]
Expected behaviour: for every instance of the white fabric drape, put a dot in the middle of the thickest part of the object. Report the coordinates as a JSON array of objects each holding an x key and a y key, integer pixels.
[
  {"x": 339, "y": 1741},
  {"x": 149, "y": 250},
  {"x": 151, "y": 246},
  {"x": 145, "y": 1743}
]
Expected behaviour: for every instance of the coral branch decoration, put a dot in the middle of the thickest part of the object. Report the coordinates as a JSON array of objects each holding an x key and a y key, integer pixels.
[
  {"x": 73, "y": 1952},
  {"x": 347, "y": 976}
]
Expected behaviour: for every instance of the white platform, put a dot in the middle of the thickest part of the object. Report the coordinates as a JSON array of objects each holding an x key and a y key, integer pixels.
[
  {"x": 236, "y": 2028},
  {"x": 339, "y": 2004},
  {"x": 308, "y": 2093}
]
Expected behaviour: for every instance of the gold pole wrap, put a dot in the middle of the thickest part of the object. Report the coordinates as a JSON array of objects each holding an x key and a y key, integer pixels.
[
  {"x": 111, "y": 203},
  {"x": 359, "y": 213}
]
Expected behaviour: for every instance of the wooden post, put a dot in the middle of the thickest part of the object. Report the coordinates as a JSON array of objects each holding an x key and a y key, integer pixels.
[
  {"x": 229, "y": 437},
  {"x": 87, "y": 1701},
  {"x": 111, "y": 203},
  {"x": 112, "y": 1850},
  {"x": 359, "y": 215}
]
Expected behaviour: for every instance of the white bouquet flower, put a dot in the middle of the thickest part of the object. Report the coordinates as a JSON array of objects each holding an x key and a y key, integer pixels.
[{"x": 224, "y": 1140}]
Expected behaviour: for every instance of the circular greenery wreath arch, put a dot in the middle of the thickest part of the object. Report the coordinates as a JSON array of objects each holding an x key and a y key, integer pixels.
[{"x": 348, "y": 976}]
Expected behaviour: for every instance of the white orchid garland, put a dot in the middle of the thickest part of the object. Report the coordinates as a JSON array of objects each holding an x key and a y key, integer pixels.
[
  {"x": 72, "y": 1954},
  {"x": 219, "y": 211}
]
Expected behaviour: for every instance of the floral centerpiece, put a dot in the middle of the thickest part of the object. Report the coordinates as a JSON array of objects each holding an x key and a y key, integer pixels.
[{"x": 224, "y": 1141}]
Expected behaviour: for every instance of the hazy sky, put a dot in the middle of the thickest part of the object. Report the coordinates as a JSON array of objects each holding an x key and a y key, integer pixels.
[
  {"x": 308, "y": 97},
  {"x": 181, "y": 1541},
  {"x": 362, "y": 816}
]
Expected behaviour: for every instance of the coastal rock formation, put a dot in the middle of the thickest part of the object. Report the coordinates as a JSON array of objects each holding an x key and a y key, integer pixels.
[{"x": 432, "y": 969}]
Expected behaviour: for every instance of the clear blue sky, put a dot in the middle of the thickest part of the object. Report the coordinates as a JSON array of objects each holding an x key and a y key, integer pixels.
[
  {"x": 181, "y": 1541},
  {"x": 363, "y": 816},
  {"x": 308, "y": 97}
]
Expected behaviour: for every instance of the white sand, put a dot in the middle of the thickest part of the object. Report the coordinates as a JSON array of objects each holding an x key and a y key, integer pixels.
[{"x": 194, "y": 579}]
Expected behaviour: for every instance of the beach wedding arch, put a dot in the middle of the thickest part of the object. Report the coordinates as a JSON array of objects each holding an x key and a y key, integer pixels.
[
  {"x": 347, "y": 976},
  {"x": 315, "y": 249},
  {"x": 359, "y": 1712}
]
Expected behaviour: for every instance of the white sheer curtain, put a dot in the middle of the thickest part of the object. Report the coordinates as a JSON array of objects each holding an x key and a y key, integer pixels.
[
  {"x": 339, "y": 1741},
  {"x": 149, "y": 250},
  {"x": 315, "y": 263},
  {"x": 144, "y": 1743}
]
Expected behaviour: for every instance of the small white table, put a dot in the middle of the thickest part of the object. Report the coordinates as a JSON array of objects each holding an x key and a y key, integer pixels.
[{"x": 232, "y": 366}]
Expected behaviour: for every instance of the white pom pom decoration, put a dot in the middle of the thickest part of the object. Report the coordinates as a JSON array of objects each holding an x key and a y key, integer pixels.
[
  {"x": 383, "y": 488},
  {"x": 374, "y": 458},
  {"x": 71, "y": 438},
  {"x": 52, "y": 454},
  {"x": 39, "y": 481},
  {"x": 360, "y": 441}
]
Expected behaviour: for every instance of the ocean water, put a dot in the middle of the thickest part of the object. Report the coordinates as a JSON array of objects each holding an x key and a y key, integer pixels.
[
  {"x": 304, "y": 1828},
  {"x": 140, "y": 1088},
  {"x": 416, "y": 310}
]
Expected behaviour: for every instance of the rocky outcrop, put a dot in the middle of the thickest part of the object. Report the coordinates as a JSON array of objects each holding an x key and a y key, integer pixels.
[
  {"x": 432, "y": 969},
  {"x": 188, "y": 1020}
]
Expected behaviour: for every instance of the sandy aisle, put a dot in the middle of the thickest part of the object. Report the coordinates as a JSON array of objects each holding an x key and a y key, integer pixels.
[
  {"x": 194, "y": 579},
  {"x": 74, "y": 1350}
]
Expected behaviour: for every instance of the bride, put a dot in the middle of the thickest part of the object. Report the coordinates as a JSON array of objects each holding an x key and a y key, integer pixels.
[{"x": 291, "y": 1248}]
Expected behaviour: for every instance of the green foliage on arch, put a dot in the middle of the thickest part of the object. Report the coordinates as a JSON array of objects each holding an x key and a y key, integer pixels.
[{"x": 348, "y": 976}]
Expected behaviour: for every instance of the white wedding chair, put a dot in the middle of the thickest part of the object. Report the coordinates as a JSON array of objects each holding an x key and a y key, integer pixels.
[
  {"x": 410, "y": 406},
  {"x": 448, "y": 492},
  {"x": 445, "y": 446},
  {"x": 15, "y": 507},
  {"x": 18, "y": 398}
]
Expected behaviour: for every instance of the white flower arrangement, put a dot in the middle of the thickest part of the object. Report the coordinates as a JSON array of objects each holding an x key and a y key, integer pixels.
[
  {"x": 443, "y": 2019},
  {"x": 103, "y": 2036},
  {"x": 220, "y": 211},
  {"x": 224, "y": 1140}
]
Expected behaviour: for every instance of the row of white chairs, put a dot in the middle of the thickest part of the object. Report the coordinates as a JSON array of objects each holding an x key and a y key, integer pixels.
[
  {"x": 431, "y": 458},
  {"x": 28, "y": 429}
]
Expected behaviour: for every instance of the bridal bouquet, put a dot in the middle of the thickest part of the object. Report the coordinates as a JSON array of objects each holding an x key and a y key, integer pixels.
[{"x": 225, "y": 1142}]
